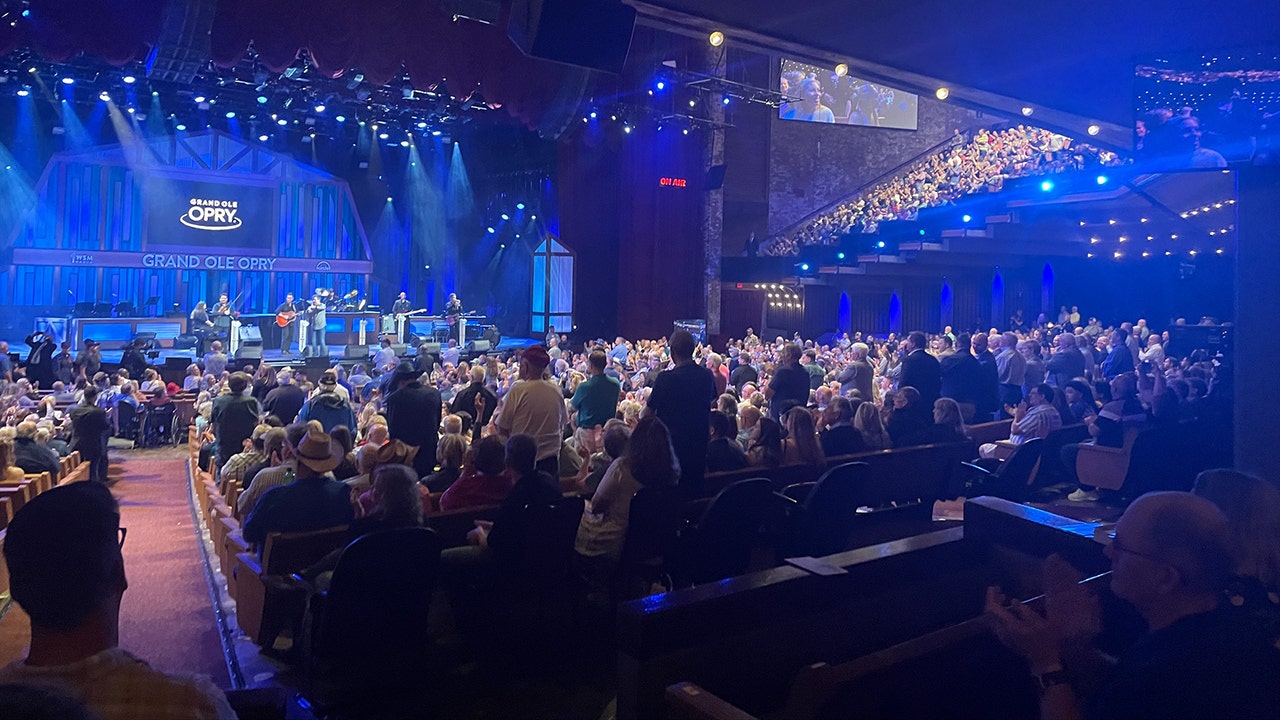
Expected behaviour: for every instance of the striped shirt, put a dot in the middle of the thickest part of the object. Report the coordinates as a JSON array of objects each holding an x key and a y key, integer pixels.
[{"x": 1039, "y": 421}]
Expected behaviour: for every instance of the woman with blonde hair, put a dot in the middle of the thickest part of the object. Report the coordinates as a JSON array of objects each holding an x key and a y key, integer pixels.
[
  {"x": 9, "y": 472},
  {"x": 801, "y": 446},
  {"x": 866, "y": 420},
  {"x": 948, "y": 424}
]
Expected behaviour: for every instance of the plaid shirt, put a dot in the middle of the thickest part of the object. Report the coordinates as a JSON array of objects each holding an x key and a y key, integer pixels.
[
  {"x": 1039, "y": 421},
  {"x": 238, "y": 463},
  {"x": 262, "y": 482},
  {"x": 115, "y": 685}
]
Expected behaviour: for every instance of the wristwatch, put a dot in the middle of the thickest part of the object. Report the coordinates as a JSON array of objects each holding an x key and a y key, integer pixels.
[{"x": 1051, "y": 678}]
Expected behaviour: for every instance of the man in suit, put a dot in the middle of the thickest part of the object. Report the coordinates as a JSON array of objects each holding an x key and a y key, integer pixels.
[
  {"x": 90, "y": 429},
  {"x": 962, "y": 377},
  {"x": 1066, "y": 363},
  {"x": 40, "y": 359},
  {"x": 920, "y": 369}
]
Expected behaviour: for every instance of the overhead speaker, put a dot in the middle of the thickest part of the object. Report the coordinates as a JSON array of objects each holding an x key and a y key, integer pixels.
[
  {"x": 354, "y": 352},
  {"x": 594, "y": 34},
  {"x": 715, "y": 177},
  {"x": 478, "y": 346}
]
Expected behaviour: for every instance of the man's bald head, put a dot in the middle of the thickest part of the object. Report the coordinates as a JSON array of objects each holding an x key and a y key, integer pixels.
[{"x": 1187, "y": 532}]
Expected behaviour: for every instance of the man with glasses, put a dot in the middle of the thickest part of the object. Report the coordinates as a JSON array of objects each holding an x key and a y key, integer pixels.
[
  {"x": 1170, "y": 559},
  {"x": 66, "y": 570}
]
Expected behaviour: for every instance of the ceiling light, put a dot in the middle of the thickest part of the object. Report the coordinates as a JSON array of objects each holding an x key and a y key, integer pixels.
[
  {"x": 129, "y": 79},
  {"x": 104, "y": 96},
  {"x": 68, "y": 81},
  {"x": 716, "y": 39},
  {"x": 1094, "y": 129},
  {"x": 942, "y": 93},
  {"x": 262, "y": 138},
  {"x": 842, "y": 70},
  {"x": 24, "y": 91},
  {"x": 1027, "y": 111}
]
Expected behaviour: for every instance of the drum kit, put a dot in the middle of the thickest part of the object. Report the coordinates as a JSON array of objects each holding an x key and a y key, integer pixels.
[{"x": 333, "y": 302}]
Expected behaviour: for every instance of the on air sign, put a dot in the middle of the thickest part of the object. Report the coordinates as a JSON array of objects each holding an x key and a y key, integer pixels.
[{"x": 673, "y": 182}]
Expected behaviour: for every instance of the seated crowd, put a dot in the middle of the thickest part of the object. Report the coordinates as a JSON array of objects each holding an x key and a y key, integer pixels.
[{"x": 980, "y": 163}]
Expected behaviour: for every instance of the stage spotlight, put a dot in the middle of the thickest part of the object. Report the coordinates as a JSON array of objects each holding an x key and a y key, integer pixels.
[
  {"x": 341, "y": 118},
  {"x": 389, "y": 198},
  {"x": 725, "y": 100},
  {"x": 104, "y": 96},
  {"x": 942, "y": 93},
  {"x": 533, "y": 217},
  {"x": 24, "y": 91},
  {"x": 685, "y": 131},
  {"x": 503, "y": 246},
  {"x": 262, "y": 99},
  {"x": 661, "y": 85},
  {"x": 1094, "y": 129},
  {"x": 68, "y": 80},
  {"x": 1102, "y": 179},
  {"x": 1027, "y": 111},
  {"x": 840, "y": 256},
  {"x": 842, "y": 70},
  {"x": 199, "y": 98},
  {"x": 880, "y": 244},
  {"x": 383, "y": 136},
  {"x": 1046, "y": 186},
  {"x": 320, "y": 107},
  {"x": 519, "y": 206},
  {"x": 693, "y": 102},
  {"x": 180, "y": 127},
  {"x": 422, "y": 125},
  {"x": 593, "y": 114},
  {"x": 492, "y": 231},
  {"x": 804, "y": 267},
  {"x": 262, "y": 138},
  {"x": 966, "y": 218},
  {"x": 282, "y": 122},
  {"x": 404, "y": 143},
  {"x": 506, "y": 216},
  {"x": 716, "y": 39},
  {"x": 129, "y": 79},
  {"x": 435, "y": 133},
  {"x": 626, "y": 129},
  {"x": 231, "y": 114}
]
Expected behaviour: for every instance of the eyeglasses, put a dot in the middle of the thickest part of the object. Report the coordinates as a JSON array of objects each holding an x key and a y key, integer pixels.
[
  {"x": 123, "y": 533},
  {"x": 1117, "y": 546}
]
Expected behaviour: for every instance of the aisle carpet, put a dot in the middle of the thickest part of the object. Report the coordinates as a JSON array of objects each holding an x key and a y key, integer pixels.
[{"x": 166, "y": 617}]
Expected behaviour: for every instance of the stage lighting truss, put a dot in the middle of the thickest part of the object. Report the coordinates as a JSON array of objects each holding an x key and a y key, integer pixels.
[{"x": 722, "y": 88}]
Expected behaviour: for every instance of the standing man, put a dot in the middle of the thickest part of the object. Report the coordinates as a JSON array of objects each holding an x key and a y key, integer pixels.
[
  {"x": 90, "y": 430},
  {"x": 920, "y": 370},
  {"x": 453, "y": 306},
  {"x": 64, "y": 366},
  {"x": 535, "y": 407},
  {"x": 988, "y": 400},
  {"x": 413, "y": 416},
  {"x": 858, "y": 374},
  {"x": 215, "y": 361},
  {"x": 288, "y": 310},
  {"x": 200, "y": 325},
  {"x": 318, "y": 320},
  {"x": 234, "y": 417},
  {"x": 1066, "y": 363},
  {"x": 89, "y": 359},
  {"x": 790, "y": 384},
  {"x": 1012, "y": 371},
  {"x": 468, "y": 400},
  {"x": 596, "y": 400},
  {"x": 682, "y": 399},
  {"x": 399, "y": 312},
  {"x": 6, "y": 362},
  {"x": 40, "y": 359}
]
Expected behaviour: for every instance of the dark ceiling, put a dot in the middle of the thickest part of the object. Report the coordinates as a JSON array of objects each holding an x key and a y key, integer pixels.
[{"x": 1076, "y": 57}]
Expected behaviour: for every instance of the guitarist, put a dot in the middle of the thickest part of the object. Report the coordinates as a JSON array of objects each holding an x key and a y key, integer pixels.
[
  {"x": 400, "y": 310},
  {"x": 287, "y": 314},
  {"x": 317, "y": 318}
]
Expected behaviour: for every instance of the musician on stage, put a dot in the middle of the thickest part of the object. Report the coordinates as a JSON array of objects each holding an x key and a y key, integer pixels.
[
  {"x": 399, "y": 311},
  {"x": 223, "y": 312},
  {"x": 201, "y": 325},
  {"x": 317, "y": 319},
  {"x": 287, "y": 313},
  {"x": 454, "y": 306}
]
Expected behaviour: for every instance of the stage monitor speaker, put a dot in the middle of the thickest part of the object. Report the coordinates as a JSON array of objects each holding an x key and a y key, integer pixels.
[
  {"x": 356, "y": 352},
  {"x": 176, "y": 363},
  {"x": 491, "y": 334},
  {"x": 319, "y": 364},
  {"x": 594, "y": 34},
  {"x": 249, "y": 352},
  {"x": 400, "y": 349},
  {"x": 251, "y": 334},
  {"x": 478, "y": 346},
  {"x": 186, "y": 342},
  {"x": 429, "y": 348}
]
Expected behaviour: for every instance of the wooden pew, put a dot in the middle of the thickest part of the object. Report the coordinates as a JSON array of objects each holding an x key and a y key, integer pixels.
[
  {"x": 18, "y": 494},
  {"x": 283, "y": 554},
  {"x": 747, "y": 638},
  {"x": 989, "y": 432}
]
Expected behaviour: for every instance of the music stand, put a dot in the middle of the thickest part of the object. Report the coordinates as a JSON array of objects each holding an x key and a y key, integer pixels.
[
  {"x": 124, "y": 309},
  {"x": 101, "y": 310},
  {"x": 153, "y": 301},
  {"x": 82, "y": 310}
]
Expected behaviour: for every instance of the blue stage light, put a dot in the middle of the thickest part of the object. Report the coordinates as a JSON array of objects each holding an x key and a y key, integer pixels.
[
  {"x": 68, "y": 81},
  {"x": 967, "y": 218},
  {"x": 880, "y": 244},
  {"x": 199, "y": 98},
  {"x": 341, "y": 118},
  {"x": 320, "y": 107},
  {"x": 104, "y": 96},
  {"x": 1102, "y": 179},
  {"x": 263, "y": 138},
  {"x": 506, "y": 216},
  {"x": 491, "y": 231},
  {"x": 282, "y": 122},
  {"x": 23, "y": 92},
  {"x": 435, "y": 133},
  {"x": 804, "y": 267},
  {"x": 262, "y": 99},
  {"x": 593, "y": 114},
  {"x": 129, "y": 79},
  {"x": 839, "y": 256},
  {"x": 661, "y": 85},
  {"x": 180, "y": 127},
  {"x": 519, "y": 206},
  {"x": 1046, "y": 186},
  {"x": 231, "y": 114},
  {"x": 725, "y": 100}
]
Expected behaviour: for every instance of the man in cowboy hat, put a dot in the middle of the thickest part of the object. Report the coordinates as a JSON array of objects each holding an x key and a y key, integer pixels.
[{"x": 314, "y": 500}]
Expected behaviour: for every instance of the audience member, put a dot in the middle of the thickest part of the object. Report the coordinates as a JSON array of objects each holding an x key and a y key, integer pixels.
[
  {"x": 723, "y": 451},
  {"x": 765, "y": 449},
  {"x": 314, "y": 500},
  {"x": 535, "y": 407},
  {"x": 682, "y": 398},
  {"x": 801, "y": 445},
  {"x": 484, "y": 479},
  {"x": 413, "y": 416},
  {"x": 450, "y": 451},
  {"x": 234, "y": 417}
]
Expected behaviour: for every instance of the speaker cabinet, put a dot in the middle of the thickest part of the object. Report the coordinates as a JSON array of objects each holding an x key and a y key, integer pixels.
[
  {"x": 356, "y": 352},
  {"x": 429, "y": 348},
  {"x": 478, "y": 346},
  {"x": 249, "y": 352},
  {"x": 594, "y": 34},
  {"x": 400, "y": 349}
]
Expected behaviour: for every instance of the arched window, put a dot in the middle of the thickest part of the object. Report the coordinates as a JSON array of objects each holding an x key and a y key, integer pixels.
[{"x": 552, "y": 287}]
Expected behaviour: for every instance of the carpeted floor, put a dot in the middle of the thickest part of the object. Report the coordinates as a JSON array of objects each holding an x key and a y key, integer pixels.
[{"x": 166, "y": 617}]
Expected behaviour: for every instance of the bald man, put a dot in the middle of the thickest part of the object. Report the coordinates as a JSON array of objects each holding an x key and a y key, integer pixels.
[{"x": 1170, "y": 560}]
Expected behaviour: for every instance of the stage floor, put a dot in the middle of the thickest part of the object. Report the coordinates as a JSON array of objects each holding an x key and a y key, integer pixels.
[{"x": 272, "y": 356}]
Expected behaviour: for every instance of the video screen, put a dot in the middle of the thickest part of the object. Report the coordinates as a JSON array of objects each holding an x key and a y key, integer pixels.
[
  {"x": 185, "y": 213},
  {"x": 818, "y": 94},
  {"x": 1207, "y": 109}
]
